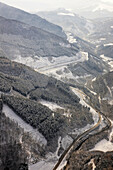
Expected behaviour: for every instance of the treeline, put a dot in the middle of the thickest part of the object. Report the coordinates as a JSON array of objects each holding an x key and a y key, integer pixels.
[
  {"x": 26, "y": 81},
  {"x": 36, "y": 115},
  {"x": 56, "y": 92},
  {"x": 12, "y": 156},
  {"x": 42, "y": 118},
  {"x": 17, "y": 148}
]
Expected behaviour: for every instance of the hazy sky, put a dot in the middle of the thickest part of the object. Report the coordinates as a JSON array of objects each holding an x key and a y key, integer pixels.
[{"x": 38, "y": 5}]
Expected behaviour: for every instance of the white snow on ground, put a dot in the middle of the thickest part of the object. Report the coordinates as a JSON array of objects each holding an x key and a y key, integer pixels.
[
  {"x": 59, "y": 144},
  {"x": 67, "y": 14},
  {"x": 38, "y": 137},
  {"x": 103, "y": 6},
  {"x": 69, "y": 9},
  {"x": 92, "y": 91},
  {"x": 94, "y": 79},
  {"x": 111, "y": 63},
  {"x": 77, "y": 131},
  {"x": 59, "y": 62},
  {"x": 111, "y": 133},
  {"x": 92, "y": 162},
  {"x": 110, "y": 44},
  {"x": 46, "y": 63},
  {"x": 110, "y": 92},
  {"x": 82, "y": 97},
  {"x": 66, "y": 141},
  {"x": 33, "y": 62},
  {"x": 110, "y": 102},
  {"x": 62, "y": 165},
  {"x": 99, "y": 98},
  {"x": 54, "y": 107},
  {"x": 85, "y": 54},
  {"x": 102, "y": 39},
  {"x": 52, "y": 158},
  {"x": 89, "y": 26},
  {"x": 107, "y": 60},
  {"x": 70, "y": 38},
  {"x": 64, "y": 75},
  {"x": 105, "y": 145},
  {"x": 42, "y": 165},
  {"x": 65, "y": 45},
  {"x": 51, "y": 105},
  {"x": 49, "y": 162}
]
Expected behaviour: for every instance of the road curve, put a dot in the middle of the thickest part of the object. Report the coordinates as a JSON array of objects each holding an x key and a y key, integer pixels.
[{"x": 80, "y": 139}]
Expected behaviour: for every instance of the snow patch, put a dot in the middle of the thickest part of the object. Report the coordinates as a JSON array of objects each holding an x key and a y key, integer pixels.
[
  {"x": 70, "y": 38},
  {"x": 59, "y": 143},
  {"x": 54, "y": 107},
  {"x": 104, "y": 146},
  {"x": 44, "y": 65},
  {"x": 101, "y": 7},
  {"x": 65, "y": 45},
  {"x": 77, "y": 131},
  {"x": 111, "y": 63},
  {"x": 102, "y": 39},
  {"x": 66, "y": 141},
  {"x": 92, "y": 91},
  {"x": 92, "y": 162},
  {"x": 50, "y": 105},
  {"x": 89, "y": 26},
  {"x": 69, "y": 9},
  {"x": 42, "y": 165},
  {"x": 111, "y": 133},
  {"x": 110, "y": 92},
  {"x": 27, "y": 128},
  {"x": 66, "y": 14},
  {"x": 99, "y": 98},
  {"x": 108, "y": 60},
  {"x": 110, "y": 44},
  {"x": 94, "y": 79},
  {"x": 82, "y": 96},
  {"x": 110, "y": 102}
]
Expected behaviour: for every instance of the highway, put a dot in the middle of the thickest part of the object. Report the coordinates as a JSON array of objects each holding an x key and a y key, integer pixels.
[{"x": 81, "y": 138}]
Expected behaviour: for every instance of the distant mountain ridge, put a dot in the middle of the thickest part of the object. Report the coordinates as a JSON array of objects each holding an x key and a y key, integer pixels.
[
  {"x": 97, "y": 10},
  {"x": 69, "y": 21},
  {"x": 10, "y": 12},
  {"x": 18, "y": 39}
]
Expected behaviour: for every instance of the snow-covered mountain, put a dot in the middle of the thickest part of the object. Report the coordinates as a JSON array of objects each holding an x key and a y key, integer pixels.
[
  {"x": 10, "y": 12},
  {"x": 69, "y": 21},
  {"x": 100, "y": 9}
]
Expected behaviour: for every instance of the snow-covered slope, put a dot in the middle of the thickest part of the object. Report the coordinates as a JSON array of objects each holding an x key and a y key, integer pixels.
[
  {"x": 99, "y": 9},
  {"x": 69, "y": 21}
]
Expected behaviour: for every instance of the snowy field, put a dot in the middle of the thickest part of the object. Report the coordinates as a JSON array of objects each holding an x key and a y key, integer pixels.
[
  {"x": 82, "y": 101},
  {"x": 51, "y": 105},
  {"x": 108, "y": 60},
  {"x": 105, "y": 145},
  {"x": 38, "y": 137},
  {"x": 45, "y": 63}
]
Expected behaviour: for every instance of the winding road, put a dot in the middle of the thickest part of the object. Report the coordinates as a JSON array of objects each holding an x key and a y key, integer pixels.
[{"x": 75, "y": 145}]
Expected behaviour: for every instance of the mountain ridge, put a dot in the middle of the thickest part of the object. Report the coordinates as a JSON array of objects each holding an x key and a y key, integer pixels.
[{"x": 31, "y": 19}]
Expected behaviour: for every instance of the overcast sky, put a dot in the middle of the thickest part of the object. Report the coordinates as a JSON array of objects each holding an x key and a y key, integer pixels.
[{"x": 40, "y": 5}]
